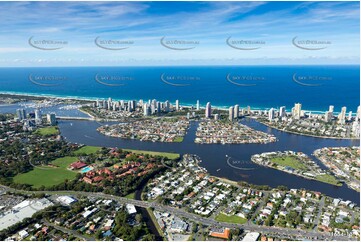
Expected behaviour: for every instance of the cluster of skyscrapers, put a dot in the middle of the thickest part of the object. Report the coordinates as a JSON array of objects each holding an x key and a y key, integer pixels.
[
  {"x": 116, "y": 105},
  {"x": 37, "y": 117},
  {"x": 233, "y": 112},
  {"x": 298, "y": 113},
  {"x": 149, "y": 108},
  {"x": 155, "y": 107}
]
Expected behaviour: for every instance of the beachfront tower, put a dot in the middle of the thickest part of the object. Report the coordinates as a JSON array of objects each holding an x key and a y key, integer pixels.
[
  {"x": 177, "y": 105},
  {"x": 297, "y": 111},
  {"x": 342, "y": 116},
  {"x": 236, "y": 111},
  {"x": 208, "y": 110},
  {"x": 231, "y": 114}
]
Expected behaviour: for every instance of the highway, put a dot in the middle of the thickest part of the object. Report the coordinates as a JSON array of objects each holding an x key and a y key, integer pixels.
[{"x": 310, "y": 235}]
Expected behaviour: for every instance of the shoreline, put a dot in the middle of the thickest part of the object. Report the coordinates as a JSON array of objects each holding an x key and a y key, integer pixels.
[
  {"x": 310, "y": 135},
  {"x": 299, "y": 175},
  {"x": 324, "y": 162},
  {"x": 92, "y": 99},
  {"x": 116, "y": 120},
  {"x": 85, "y": 112}
]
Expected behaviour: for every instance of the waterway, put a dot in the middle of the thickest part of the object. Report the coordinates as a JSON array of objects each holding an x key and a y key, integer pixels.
[{"x": 231, "y": 161}]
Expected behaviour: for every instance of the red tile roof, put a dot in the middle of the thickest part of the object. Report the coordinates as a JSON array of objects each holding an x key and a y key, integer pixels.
[{"x": 77, "y": 165}]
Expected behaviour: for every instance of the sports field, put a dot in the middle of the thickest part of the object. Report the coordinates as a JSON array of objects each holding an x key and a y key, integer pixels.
[
  {"x": 48, "y": 176},
  {"x": 165, "y": 154},
  {"x": 53, "y": 130},
  {"x": 87, "y": 150},
  {"x": 290, "y": 161}
]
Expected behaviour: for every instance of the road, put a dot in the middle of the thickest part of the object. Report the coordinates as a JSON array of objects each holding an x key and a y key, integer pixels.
[
  {"x": 311, "y": 235},
  {"x": 68, "y": 231},
  {"x": 320, "y": 207}
]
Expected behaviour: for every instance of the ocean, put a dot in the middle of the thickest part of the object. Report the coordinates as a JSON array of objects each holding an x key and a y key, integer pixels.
[{"x": 260, "y": 87}]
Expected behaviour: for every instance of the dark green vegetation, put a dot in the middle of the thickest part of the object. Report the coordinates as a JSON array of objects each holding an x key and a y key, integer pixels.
[
  {"x": 131, "y": 233},
  {"x": 34, "y": 161},
  {"x": 139, "y": 168},
  {"x": 22, "y": 151}
]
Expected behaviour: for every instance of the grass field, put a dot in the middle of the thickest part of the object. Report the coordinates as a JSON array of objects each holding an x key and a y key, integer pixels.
[
  {"x": 131, "y": 195},
  {"x": 53, "y": 130},
  {"x": 92, "y": 149},
  {"x": 48, "y": 176},
  {"x": 87, "y": 150},
  {"x": 230, "y": 219},
  {"x": 328, "y": 179},
  {"x": 165, "y": 154},
  {"x": 290, "y": 161},
  {"x": 178, "y": 139}
]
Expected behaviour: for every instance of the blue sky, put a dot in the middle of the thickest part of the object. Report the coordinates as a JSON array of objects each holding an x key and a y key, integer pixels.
[{"x": 209, "y": 24}]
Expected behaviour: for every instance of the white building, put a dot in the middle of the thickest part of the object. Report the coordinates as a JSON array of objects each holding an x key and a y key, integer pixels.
[
  {"x": 23, "y": 234},
  {"x": 236, "y": 111},
  {"x": 166, "y": 106},
  {"x": 328, "y": 116},
  {"x": 146, "y": 111},
  {"x": 51, "y": 118},
  {"x": 131, "y": 209},
  {"x": 38, "y": 116},
  {"x": 208, "y": 111},
  {"x": 283, "y": 111},
  {"x": 231, "y": 114},
  {"x": 177, "y": 105},
  {"x": 342, "y": 116},
  {"x": 67, "y": 200},
  {"x": 23, "y": 210},
  {"x": 297, "y": 111},
  {"x": 331, "y": 109},
  {"x": 271, "y": 114},
  {"x": 252, "y": 236}
]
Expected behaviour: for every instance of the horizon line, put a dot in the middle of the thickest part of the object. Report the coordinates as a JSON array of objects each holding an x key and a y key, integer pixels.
[{"x": 206, "y": 65}]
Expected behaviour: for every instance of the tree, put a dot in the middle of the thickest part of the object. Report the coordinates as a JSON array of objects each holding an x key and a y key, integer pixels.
[
  {"x": 149, "y": 237},
  {"x": 138, "y": 218},
  {"x": 194, "y": 228}
]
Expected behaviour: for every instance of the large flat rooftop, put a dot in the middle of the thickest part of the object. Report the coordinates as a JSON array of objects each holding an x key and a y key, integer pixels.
[{"x": 23, "y": 210}]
